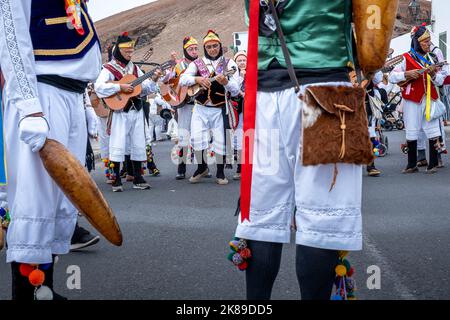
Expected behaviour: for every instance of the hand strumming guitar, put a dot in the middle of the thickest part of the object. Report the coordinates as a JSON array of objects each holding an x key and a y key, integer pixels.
[
  {"x": 222, "y": 79},
  {"x": 127, "y": 88},
  {"x": 204, "y": 82},
  {"x": 412, "y": 74}
]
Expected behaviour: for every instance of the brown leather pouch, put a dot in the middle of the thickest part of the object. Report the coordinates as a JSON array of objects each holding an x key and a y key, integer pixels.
[{"x": 335, "y": 126}]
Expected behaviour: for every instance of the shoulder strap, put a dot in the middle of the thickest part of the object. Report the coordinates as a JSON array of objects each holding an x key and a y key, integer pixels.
[
  {"x": 286, "y": 54},
  {"x": 116, "y": 73},
  {"x": 202, "y": 68}
]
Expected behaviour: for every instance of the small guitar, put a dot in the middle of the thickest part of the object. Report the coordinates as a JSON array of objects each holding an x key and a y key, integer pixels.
[
  {"x": 422, "y": 71},
  {"x": 195, "y": 90},
  {"x": 119, "y": 100}
]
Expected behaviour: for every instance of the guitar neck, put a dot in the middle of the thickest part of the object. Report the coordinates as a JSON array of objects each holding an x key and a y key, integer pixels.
[{"x": 142, "y": 78}]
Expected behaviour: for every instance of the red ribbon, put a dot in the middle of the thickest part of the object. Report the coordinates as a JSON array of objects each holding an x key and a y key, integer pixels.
[{"x": 251, "y": 87}]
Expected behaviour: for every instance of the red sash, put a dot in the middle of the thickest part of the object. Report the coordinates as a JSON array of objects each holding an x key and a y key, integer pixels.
[
  {"x": 251, "y": 83},
  {"x": 118, "y": 74}
]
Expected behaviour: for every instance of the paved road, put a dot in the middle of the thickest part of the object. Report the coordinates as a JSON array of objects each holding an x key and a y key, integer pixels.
[{"x": 176, "y": 240}]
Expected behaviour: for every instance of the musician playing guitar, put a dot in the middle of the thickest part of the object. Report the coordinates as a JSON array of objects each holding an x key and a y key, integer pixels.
[
  {"x": 127, "y": 125},
  {"x": 184, "y": 109},
  {"x": 210, "y": 104},
  {"x": 419, "y": 74}
]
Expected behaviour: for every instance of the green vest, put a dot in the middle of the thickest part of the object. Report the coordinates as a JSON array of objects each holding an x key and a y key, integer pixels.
[{"x": 318, "y": 35}]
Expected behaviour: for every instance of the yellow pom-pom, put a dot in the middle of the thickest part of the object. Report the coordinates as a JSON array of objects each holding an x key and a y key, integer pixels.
[
  {"x": 341, "y": 270},
  {"x": 111, "y": 165}
]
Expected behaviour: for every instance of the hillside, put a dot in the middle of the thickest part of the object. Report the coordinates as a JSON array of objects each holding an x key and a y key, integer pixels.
[{"x": 162, "y": 25}]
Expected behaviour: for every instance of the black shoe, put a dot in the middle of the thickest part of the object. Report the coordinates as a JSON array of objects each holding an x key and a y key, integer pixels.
[
  {"x": 82, "y": 238},
  {"x": 156, "y": 172}
]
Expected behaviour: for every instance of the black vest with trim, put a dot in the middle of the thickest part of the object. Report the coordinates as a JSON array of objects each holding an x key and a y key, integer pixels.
[
  {"x": 215, "y": 95},
  {"x": 51, "y": 36}
]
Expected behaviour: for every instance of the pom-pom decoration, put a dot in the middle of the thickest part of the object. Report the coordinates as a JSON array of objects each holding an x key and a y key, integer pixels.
[
  {"x": 36, "y": 277},
  {"x": 43, "y": 293},
  {"x": 240, "y": 253},
  {"x": 344, "y": 283},
  {"x": 25, "y": 269}
]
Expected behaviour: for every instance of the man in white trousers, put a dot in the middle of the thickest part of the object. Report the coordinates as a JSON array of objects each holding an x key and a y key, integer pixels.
[
  {"x": 415, "y": 97},
  {"x": 46, "y": 72},
  {"x": 209, "y": 110},
  {"x": 128, "y": 123}
]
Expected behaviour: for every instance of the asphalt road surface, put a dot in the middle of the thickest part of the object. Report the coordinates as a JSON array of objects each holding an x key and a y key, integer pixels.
[{"x": 176, "y": 234}]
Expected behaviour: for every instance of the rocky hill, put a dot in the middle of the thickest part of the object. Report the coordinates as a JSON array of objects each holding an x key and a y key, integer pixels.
[{"x": 162, "y": 25}]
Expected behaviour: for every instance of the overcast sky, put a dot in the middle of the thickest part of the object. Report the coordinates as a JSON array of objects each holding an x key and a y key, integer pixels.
[{"x": 100, "y": 9}]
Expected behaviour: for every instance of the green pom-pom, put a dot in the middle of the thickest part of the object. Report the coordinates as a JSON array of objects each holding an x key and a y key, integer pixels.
[
  {"x": 347, "y": 264},
  {"x": 230, "y": 256}
]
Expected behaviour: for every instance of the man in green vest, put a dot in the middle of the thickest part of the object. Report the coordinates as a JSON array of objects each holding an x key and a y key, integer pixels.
[{"x": 285, "y": 194}]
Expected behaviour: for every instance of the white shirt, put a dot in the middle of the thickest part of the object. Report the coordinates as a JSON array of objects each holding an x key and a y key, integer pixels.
[
  {"x": 103, "y": 89},
  {"x": 158, "y": 101},
  {"x": 19, "y": 66},
  {"x": 188, "y": 77}
]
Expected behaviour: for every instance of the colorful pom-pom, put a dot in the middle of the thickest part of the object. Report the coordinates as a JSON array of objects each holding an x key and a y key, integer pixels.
[
  {"x": 242, "y": 244},
  {"x": 336, "y": 297},
  {"x": 234, "y": 245},
  {"x": 237, "y": 259},
  {"x": 245, "y": 253},
  {"x": 350, "y": 272},
  {"x": 111, "y": 165},
  {"x": 341, "y": 270},
  {"x": 43, "y": 293},
  {"x": 230, "y": 256},
  {"x": 36, "y": 277},
  {"x": 2, "y": 212},
  {"x": 25, "y": 269},
  {"x": 346, "y": 263},
  {"x": 243, "y": 266}
]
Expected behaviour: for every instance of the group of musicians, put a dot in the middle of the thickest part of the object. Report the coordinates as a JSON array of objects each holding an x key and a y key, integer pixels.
[
  {"x": 202, "y": 119},
  {"x": 47, "y": 70}
]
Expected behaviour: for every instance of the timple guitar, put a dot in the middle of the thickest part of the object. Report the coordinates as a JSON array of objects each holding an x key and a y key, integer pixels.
[
  {"x": 421, "y": 71},
  {"x": 119, "y": 100}
]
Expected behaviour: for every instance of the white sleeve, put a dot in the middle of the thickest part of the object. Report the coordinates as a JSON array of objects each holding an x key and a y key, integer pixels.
[
  {"x": 104, "y": 89},
  {"x": 17, "y": 57},
  {"x": 398, "y": 74},
  {"x": 233, "y": 83},
  {"x": 187, "y": 79},
  {"x": 148, "y": 86}
]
